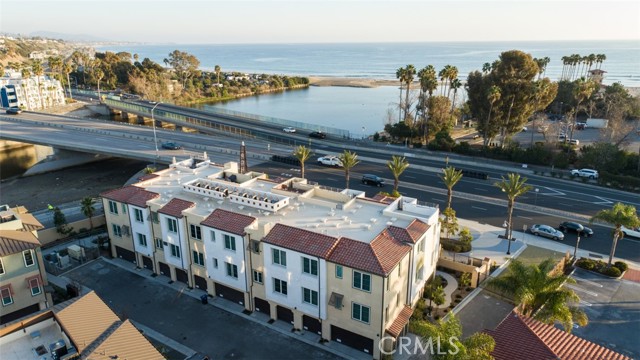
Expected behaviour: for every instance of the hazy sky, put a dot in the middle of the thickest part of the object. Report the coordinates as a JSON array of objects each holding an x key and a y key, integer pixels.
[{"x": 304, "y": 21}]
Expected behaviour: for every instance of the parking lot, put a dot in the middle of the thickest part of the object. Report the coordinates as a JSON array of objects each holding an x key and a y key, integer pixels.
[
  {"x": 204, "y": 328},
  {"x": 612, "y": 308}
]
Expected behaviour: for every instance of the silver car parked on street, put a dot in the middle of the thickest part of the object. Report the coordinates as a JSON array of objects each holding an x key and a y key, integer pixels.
[{"x": 547, "y": 231}]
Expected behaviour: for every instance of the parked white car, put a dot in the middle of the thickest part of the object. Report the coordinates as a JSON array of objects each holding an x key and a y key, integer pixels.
[
  {"x": 330, "y": 160},
  {"x": 588, "y": 173},
  {"x": 631, "y": 232}
]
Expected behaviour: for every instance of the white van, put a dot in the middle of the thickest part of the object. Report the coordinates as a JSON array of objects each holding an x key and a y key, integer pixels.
[{"x": 575, "y": 142}]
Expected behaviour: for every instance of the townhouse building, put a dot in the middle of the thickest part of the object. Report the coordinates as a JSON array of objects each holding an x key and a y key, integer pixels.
[
  {"x": 333, "y": 262},
  {"x": 33, "y": 93},
  {"x": 22, "y": 272}
]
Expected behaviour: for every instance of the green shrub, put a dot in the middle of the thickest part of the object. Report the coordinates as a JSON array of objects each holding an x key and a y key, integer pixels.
[
  {"x": 611, "y": 271},
  {"x": 586, "y": 264},
  {"x": 621, "y": 265},
  {"x": 455, "y": 245}
]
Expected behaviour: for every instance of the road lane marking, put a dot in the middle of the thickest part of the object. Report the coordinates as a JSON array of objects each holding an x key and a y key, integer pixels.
[
  {"x": 524, "y": 217},
  {"x": 410, "y": 177},
  {"x": 565, "y": 204},
  {"x": 479, "y": 208},
  {"x": 603, "y": 202},
  {"x": 481, "y": 189},
  {"x": 585, "y": 303},
  {"x": 437, "y": 199}
]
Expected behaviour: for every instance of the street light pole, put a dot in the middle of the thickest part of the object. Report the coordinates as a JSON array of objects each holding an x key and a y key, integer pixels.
[
  {"x": 153, "y": 121},
  {"x": 536, "y": 202},
  {"x": 575, "y": 251}
]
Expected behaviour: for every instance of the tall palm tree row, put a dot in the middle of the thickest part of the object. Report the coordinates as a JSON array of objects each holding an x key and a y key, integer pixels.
[
  {"x": 619, "y": 215},
  {"x": 400, "y": 75},
  {"x": 409, "y": 75},
  {"x": 67, "y": 68},
  {"x": 349, "y": 160},
  {"x": 539, "y": 293},
  {"x": 38, "y": 71},
  {"x": 513, "y": 186},
  {"x": 397, "y": 165},
  {"x": 302, "y": 153}
]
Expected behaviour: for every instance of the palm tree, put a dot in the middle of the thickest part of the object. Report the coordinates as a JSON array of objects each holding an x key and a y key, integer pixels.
[
  {"x": 513, "y": 186},
  {"x": 452, "y": 74},
  {"x": 67, "y": 69},
  {"x": 409, "y": 74},
  {"x": 397, "y": 165},
  {"x": 486, "y": 68},
  {"x": 539, "y": 293},
  {"x": 99, "y": 74},
  {"x": 455, "y": 85},
  {"x": 619, "y": 215},
  {"x": 86, "y": 206},
  {"x": 25, "y": 72},
  {"x": 349, "y": 160},
  {"x": 450, "y": 177},
  {"x": 400, "y": 75},
  {"x": 217, "y": 70},
  {"x": 451, "y": 345},
  {"x": 428, "y": 84},
  {"x": 38, "y": 71},
  {"x": 493, "y": 96},
  {"x": 601, "y": 59},
  {"x": 302, "y": 153}
]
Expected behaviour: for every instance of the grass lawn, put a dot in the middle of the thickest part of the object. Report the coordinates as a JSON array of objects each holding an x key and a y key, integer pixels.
[{"x": 535, "y": 255}]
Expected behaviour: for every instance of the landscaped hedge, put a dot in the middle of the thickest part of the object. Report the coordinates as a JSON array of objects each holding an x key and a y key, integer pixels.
[
  {"x": 601, "y": 267},
  {"x": 455, "y": 245},
  {"x": 625, "y": 182}
]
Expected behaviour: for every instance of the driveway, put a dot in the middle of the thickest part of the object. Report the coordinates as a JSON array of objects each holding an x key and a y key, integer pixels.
[
  {"x": 204, "y": 328},
  {"x": 612, "y": 306}
]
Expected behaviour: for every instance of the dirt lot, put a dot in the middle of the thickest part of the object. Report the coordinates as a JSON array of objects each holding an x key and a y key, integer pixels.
[{"x": 58, "y": 187}]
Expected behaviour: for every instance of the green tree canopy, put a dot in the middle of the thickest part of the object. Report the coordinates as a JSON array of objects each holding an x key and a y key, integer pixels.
[{"x": 184, "y": 65}]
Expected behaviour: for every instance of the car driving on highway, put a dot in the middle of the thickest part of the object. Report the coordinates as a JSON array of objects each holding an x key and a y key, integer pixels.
[
  {"x": 318, "y": 135},
  {"x": 14, "y": 111},
  {"x": 631, "y": 232},
  {"x": 170, "y": 145},
  {"x": 588, "y": 173},
  {"x": 575, "y": 227},
  {"x": 330, "y": 160},
  {"x": 546, "y": 231},
  {"x": 289, "y": 129}
]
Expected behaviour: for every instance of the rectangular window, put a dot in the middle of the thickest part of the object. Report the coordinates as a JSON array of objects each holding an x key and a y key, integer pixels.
[
  {"x": 175, "y": 251},
  {"x": 172, "y": 224},
  {"x": 398, "y": 299},
  {"x": 310, "y": 266},
  {"x": 34, "y": 285},
  {"x": 255, "y": 246},
  {"x": 339, "y": 271},
  {"x": 280, "y": 286},
  {"x": 1, "y": 267},
  {"x": 124, "y": 208},
  {"x": 232, "y": 270},
  {"x": 215, "y": 263},
  {"x": 139, "y": 215},
  {"x": 360, "y": 312},
  {"x": 309, "y": 296},
  {"x": 7, "y": 293},
  {"x": 230, "y": 243},
  {"x": 257, "y": 276},
  {"x": 279, "y": 257},
  {"x": 159, "y": 244},
  {"x": 142, "y": 239},
  {"x": 154, "y": 217},
  {"x": 117, "y": 230},
  {"x": 361, "y": 281},
  {"x": 213, "y": 236},
  {"x": 196, "y": 232},
  {"x": 198, "y": 258},
  {"x": 28, "y": 258},
  {"x": 113, "y": 207}
]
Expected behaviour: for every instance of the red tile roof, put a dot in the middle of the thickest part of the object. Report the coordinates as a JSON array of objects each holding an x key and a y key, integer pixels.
[
  {"x": 411, "y": 233},
  {"x": 15, "y": 241},
  {"x": 519, "y": 337},
  {"x": 401, "y": 320},
  {"x": 175, "y": 207},
  {"x": 228, "y": 221},
  {"x": 301, "y": 240},
  {"x": 131, "y": 195},
  {"x": 383, "y": 199},
  {"x": 147, "y": 177},
  {"x": 378, "y": 257}
]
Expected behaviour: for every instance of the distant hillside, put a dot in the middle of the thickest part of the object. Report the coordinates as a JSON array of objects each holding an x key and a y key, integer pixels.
[
  {"x": 18, "y": 49},
  {"x": 68, "y": 37}
]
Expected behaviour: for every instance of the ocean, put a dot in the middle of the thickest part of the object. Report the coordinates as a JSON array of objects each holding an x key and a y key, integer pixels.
[{"x": 355, "y": 108}]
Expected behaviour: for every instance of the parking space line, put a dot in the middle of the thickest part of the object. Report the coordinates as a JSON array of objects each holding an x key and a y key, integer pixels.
[
  {"x": 577, "y": 288},
  {"x": 587, "y": 281},
  {"x": 585, "y": 303}
]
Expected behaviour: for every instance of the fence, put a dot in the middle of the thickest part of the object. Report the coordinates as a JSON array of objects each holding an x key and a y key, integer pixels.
[{"x": 58, "y": 262}]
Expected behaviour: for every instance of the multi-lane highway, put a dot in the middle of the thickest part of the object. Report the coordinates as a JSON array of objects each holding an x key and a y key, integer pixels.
[{"x": 476, "y": 199}]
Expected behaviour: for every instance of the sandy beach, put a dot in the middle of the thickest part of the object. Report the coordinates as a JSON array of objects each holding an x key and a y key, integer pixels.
[{"x": 350, "y": 82}]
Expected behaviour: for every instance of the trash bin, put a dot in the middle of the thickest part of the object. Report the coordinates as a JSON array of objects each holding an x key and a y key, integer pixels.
[{"x": 204, "y": 299}]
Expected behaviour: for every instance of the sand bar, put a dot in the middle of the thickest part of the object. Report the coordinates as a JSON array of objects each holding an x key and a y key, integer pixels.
[{"x": 351, "y": 82}]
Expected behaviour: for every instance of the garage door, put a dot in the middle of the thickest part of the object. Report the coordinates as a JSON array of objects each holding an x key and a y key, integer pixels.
[
  {"x": 284, "y": 314},
  {"x": 350, "y": 339},
  {"x": 147, "y": 263},
  {"x": 262, "y": 306},
  {"x": 230, "y": 294},
  {"x": 164, "y": 269},
  {"x": 125, "y": 254},
  {"x": 182, "y": 276},
  {"x": 201, "y": 283},
  {"x": 311, "y": 324}
]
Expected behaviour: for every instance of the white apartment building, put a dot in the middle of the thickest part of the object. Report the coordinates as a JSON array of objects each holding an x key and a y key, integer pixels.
[
  {"x": 34, "y": 93},
  {"x": 332, "y": 262}
]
